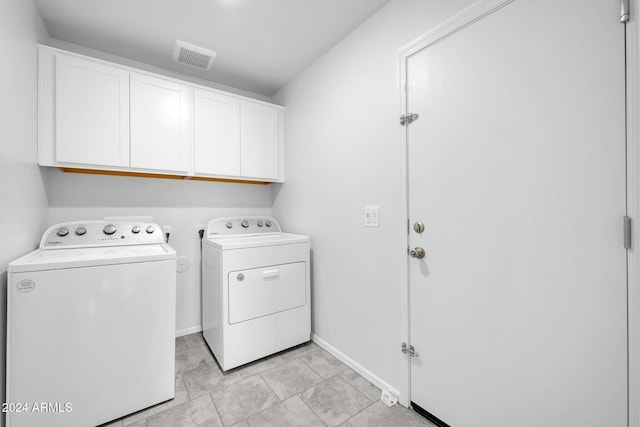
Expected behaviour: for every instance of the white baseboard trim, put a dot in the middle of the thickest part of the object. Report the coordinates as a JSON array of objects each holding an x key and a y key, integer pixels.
[
  {"x": 187, "y": 331},
  {"x": 372, "y": 378}
]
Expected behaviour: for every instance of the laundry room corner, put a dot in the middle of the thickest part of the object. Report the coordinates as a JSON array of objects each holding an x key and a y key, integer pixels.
[
  {"x": 181, "y": 204},
  {"x": 320, "y": 213}
]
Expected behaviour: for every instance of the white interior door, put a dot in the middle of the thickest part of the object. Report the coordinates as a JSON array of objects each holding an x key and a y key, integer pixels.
[{"x": 517, "y": 170}]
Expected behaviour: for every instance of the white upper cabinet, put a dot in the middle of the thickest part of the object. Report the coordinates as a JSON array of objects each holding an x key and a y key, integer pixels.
[
  {"x": 260, "y": 140},
  {"x": 160, "y": 124},
  {"x": 216, "y": 133},
  {"x": 91, "y": 113},
  {"x": 97, "y": 115}
]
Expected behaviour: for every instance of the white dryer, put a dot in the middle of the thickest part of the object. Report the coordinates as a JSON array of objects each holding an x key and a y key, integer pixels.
[
  {"x": 255, "y": 289},
  {"x": 90, "y": 325}
]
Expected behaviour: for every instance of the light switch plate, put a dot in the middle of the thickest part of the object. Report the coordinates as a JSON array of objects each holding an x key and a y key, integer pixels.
[{"x": 371, "y": 216}]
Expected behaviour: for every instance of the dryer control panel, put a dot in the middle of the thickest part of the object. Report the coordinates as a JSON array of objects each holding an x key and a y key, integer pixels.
[
  {"x": 242, "y": 225},
  {"x": 81, "y": 234}
]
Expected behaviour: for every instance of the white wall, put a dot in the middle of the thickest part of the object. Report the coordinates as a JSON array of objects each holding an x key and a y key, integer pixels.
[
  {"x": 342, "y": 153},
  {"x": 178, "y": 203},
  {"x": 24, "y": 204}
]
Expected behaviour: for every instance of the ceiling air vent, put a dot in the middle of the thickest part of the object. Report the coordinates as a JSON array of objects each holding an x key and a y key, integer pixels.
[{"x": 192, "y": 55}]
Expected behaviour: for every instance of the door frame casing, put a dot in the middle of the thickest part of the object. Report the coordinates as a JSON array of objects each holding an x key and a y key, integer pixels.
[
  {"x": 633, "y": 210},
  {"x": 466, "y": 17}
]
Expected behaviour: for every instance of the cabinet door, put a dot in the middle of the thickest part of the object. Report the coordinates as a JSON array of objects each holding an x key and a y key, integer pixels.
[
  {"x": 259, "y": 140},
  {"x": 160, "y": 124},
  {"x": 217, "y": 133},
  {"x": 92, "y": 113}
]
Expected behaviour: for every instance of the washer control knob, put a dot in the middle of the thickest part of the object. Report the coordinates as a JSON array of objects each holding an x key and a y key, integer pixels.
[
  {"x": 150, "y": 229},
  {"x": 135, "y": 229},
  {"x": 245, "y": 224},
  {"x": 229, "y": 225},
  {"x": 260, "y": 223},
  {"x": 81, "y": 231},
  {"x": 268, "y": 223},
  {"x": 62, "y": 231},
  {"x": 109, "y": 229}
]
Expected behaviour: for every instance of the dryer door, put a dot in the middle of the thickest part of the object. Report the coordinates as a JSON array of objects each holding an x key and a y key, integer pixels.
[{"x": 262, "y": 291}]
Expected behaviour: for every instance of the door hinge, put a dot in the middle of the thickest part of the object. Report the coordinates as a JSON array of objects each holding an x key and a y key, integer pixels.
[
  {"x": 625, "y": 12},
  {"x": 627, "y": 232},
  {"x": 410, "y": 350},
  {"x": 406, "y": 119}
]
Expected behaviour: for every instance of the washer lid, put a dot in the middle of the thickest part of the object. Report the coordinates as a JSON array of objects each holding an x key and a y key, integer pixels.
[
  {"x": 44, "y": 259},
  {"x": 256, "y": 240}
]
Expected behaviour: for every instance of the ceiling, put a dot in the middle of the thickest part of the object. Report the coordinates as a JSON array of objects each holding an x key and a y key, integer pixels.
[{"x": 260, "y": 44}]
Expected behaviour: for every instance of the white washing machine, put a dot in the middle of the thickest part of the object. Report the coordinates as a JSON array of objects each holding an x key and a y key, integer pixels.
[
  {"x": 90, "y": 325},
  {"x": 255, "y": 289}
]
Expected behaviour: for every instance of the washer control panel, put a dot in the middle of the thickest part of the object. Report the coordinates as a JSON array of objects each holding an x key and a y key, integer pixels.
[
  {"x": 242, "y": 225},
  {"x": 101, "y": 233}
]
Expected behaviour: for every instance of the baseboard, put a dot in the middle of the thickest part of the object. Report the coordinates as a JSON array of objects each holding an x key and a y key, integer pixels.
[
  {"x": 372, "y": 378},
  {"x": 187, "y": 331}
]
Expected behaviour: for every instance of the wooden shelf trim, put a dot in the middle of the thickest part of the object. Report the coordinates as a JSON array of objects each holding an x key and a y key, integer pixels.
[{"x": 158, "y": 175}]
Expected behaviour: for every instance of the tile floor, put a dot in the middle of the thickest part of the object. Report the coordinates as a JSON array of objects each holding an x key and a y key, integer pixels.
[{"x": 304, "y": 386}]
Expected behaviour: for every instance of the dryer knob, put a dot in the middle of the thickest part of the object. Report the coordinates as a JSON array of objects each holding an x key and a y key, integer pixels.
[
  {"x": 80, "y": 231},
  {"x": 150, "y": 229},
  {"x": 260, "y": 223},
  {"x": 62, "y": 231},
  {"x": 268, "y": 223},
  {"x": 229, "y": 225},
  {"x": 135, "y": 229},
  {"x": 245, "y": 224},
  {"x": 109, "y": 229}
]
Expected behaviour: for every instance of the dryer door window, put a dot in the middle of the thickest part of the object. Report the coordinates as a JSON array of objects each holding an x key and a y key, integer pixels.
[{"x": 267, "y": 290}]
